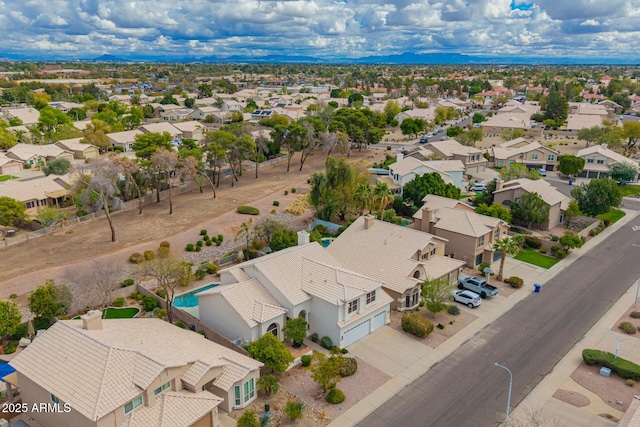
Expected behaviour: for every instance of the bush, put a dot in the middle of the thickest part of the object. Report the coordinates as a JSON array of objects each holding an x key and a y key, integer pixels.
[
  {"x": 630, "y": 383},
  {"x": 627, "y": 328},
  {"x": 26, "y": 166},
  {"x": 533, "y": 242},
  {"x": 118, "y": 302},
  {"x": 344, "y": 351},
  {"x": 212, "y": 268},
  {"x": 348, "y": 367},
  {"x": 165, "y": 244},
  {"x": 276, "y": 203},
  {"x": 190, "y": 247},
  {"x": 208, "y": 242},
  {"x": 199, "y": 274},
  {"x": 149, "y": 304},
  {"x": 561, "y": 253},
  {"x": 139, "y": 297},
  {"x": 326, "y": 343},
  {"x": 554, "y": 238},
  {"x": 440, "y": 326},
  {"x": 10, "y": 347},
  {"x": 20, "y": 332},
  {"x": 149, "y": 255},
  {"x": 161, "y": 293},
  {"x": 623, "y": 367},
  {"x": 635, "y": 314},
  {"x": 136, "y": 258},
  {"x": 293, "y": 410},
  {"x": 162, "y": 313},
  {"x": 416, "y": 324},
  {"x": 199, "y": 243},
  {"x": 305, "y": 360},
  {"x": 286, "y": 192},
  {"x": 220, "y": 238},
  {"x": 128, "y": 282},
  {"x": 180, "y": 324},
  {"x": 203, "y": 232},
  {"x": 41, "y": 323},
  {"x": 13, "y": 296},
  {"x": 314, "y": 337},
  {"x": 453, "y": 309},
  {"x": 248, "y": 210},
  {"x": 543, "y": 251},
  {"x": 335, "y": 396},
  {"x": 482, "y": 266},
  {"x": 607, "y": 222},
  {"x": 515, "y": 282},
  {"x": 293, "y": 190},
  {"x": 269, "y": 384}
]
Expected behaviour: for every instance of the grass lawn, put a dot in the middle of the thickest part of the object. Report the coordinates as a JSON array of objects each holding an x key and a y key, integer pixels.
[
  {"x": 613, "y": 215},
  {"x": 7, "y": 177},
  {"x": 536, "y": 258},
  {"x": 120, "y": 313},
  {"x": 629, "y": 190}
]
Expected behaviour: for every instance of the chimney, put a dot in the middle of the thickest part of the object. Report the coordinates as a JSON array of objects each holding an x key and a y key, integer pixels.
[
  {"x": 427, "y": 216},
  {"x": 303, "y": 237},
  {"x": 368, "y": 221},
  {"x": 399, "y": 157},
  {"x": 499, "y": 184},
  {"x": 92, "y": 320}
]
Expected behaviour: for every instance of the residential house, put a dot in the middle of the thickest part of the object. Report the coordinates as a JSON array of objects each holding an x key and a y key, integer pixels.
[
  {"x": 450, "y": 149},
  {"x": 176, "y": 134},
  {"x": 160, "y": 109},
  {"x": 455, "y": 103},
  {"x": 80, "y": 151},
  {"x": 405, "y": 169},
  {"x": 124, "y": 139},
  {"x": 9, "y": 165},
  {"x": 507, "y": 192},
  {"x": 399, "y": 257},
  {"x": 201, "y": 113},
  {"x": 28, "y": 115},
  {"x": 586, "y": 115},
  {"x": 37, "y": 192},
  {"x": 470, "y": 236},
  {"x": 65, "y": 107},
  {"x": 191, "y": 129},
  {"x": 176, "y": 114},
  {"x": 258, "y": 115},
  {"x": 598, "y": 159},
  {"x": 426, "y": 114},
  {"x": 36, "y": 155},
  {"x": 529, "y": 153},
  {"x": 230, "y": 105},
  {"x": 257, "y": 296},
  {"x": 131, "y": 372}
]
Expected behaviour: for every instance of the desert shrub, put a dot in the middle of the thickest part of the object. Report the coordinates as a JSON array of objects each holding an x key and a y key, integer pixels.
[
  {"x": 128, "y": 282},
  {"x": 13, "y": 296},
  {"x": 533, "y": 242},
  {"x": 623, "y": 367},
  {"x": 10, "y": 347},
  {"x": 161, "y": 293},
  {"x": 139, "y": 297},
  {"x": 305, "y": 360},
  {"x": 630, "y": 383},
  {"x": 20, "y": 332},
  {"x": 515, "y": 282},
  {"x": 293, "y": 410},
  {"x": 208, "y": 242},
  {"x": 543, "y": 251},
  {"x": 248, "y": 210},
  {"x": 199, "y": 243},
  {"x": 293, "y": 190},
  {"x": 118, "y": 302},
  {"x": 335, "y": 396},
  {"x": 344, "y": 351},
  {"x": 554, "y": 238},
  {"x": 286, "y": 192},
  {"x": 314, "y": 337},
  {"x": 165, "y": 244},
  {"x": 203, "y": 232},
  {"x": 198, "y": 248},
  {"x": 149, "y": 255},
  {"x": 440, "y": 326},
  {"x": 416, "y": 324},
  {"x": 220, "y": 238},
  {"x": 26, "y": 166},
  {"x": 136, "y": 258},
  {"x": 454, "y": 310},
  {"x": 606, "y": 222},
  {"x": 561, "y": 253},
  {"x": 212, "y": 268},
  {"x": 635, "y": 314},
  {"x": 149, "y": 304},
  {"x": 248, "y": 419},
  {"x": 348, "y": 366},
  {"x": 180, "y": 324},
  {"x": 299, "y": 206},
  {"x": 269, "y": 384},
  {"x": 162, "y": 313},
  {"x": 482, "y": 266},
  {"x": 199, "y": 274},
  {"x": 326, "y": 343},
  {"x": 190, "y": 247},
  {"x": 627, "y": 328},
  {"x": 276, "y": 203}
]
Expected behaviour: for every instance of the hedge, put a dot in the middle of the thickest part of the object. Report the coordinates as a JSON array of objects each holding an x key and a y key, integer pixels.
[
  {"x": 626, "y": 369},
  {"x": 248, "y": 210},
  {"x": 335, "y": 396},
  {"x": 326, "y": 342},
  {"x": 533, "y": 242},
  {"x": 416, "y": 324}
]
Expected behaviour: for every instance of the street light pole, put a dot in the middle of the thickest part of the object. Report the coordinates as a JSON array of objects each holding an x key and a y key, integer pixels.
[
  {"x": 506, "y": 417},
  {"x": 637, "y": 293}
]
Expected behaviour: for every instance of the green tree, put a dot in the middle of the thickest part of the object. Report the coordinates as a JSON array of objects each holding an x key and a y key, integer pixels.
[
  {"x": 168, "y": 99},
  {"x": 392, "y": 109},
  {"x": 326, "y": 371},
  {"x": 269, "y": 384},
  {"x": 570, "y": 165},
  {"x": 478, "y": 118},
  {"x": 556, "y": 108},
  {"x": 591, "y": 135},
  {"x": 508, "y": 135},
  {"x": 10, "y": 317},
  {"x": 454, "y": 131},
  {"x": 570, "y": 241},
  {"x": 248, "y": 419},
  {"x": 470, "y": 137},
  {"x": 631, "y": 133},
  {"x": 51, "y": 119},
  {"x": 50, "y": 300},
  {"x": 495, "y": 210},
  {"x": 296, "y": 330},
  {"x": 12, "y": 212},
  {"x": 56, "y": 167},
  {"x": 271, "y": 351},
  {"x": 410, "y": 126},
  {"x": 485, "y": 196},
  {"x": 429, "y": 183},
  {"x": 48, "y": 216},
  {"x": 507, "y": 246},
  {"x": 530, "y": 209},
  {"x": 598, "y": 196},
  {"x": 623, "y": 172},
  {"x": 436, "y": 294},
  {"x": 573, "y": 211},
  {"x": 355, "y": 99},
  {"x": 381, "y": 197},
  {"x": 283, "y": 239},
  {"x": 147, "y": 143},
  {"x": 514, "y": 171}
]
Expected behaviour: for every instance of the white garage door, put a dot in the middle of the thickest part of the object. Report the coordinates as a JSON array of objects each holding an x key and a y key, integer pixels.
[
  {"x": 354, "y": 334},
  {"x": 378, "y": 320}
]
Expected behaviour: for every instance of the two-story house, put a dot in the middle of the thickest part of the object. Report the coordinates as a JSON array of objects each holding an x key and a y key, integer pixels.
[
  {"x": 470, "y": 236},
  {"x": 450, "y": 149},
  {"x": 133, "y": 372},
  {"x": 191, "y": 129},
  {"x": 405, "y": 169},
  {"x": 520, "y": 150},
  {"x": 598, "y": 159}
]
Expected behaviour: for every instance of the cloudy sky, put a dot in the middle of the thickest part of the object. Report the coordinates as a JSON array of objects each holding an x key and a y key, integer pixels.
[{"x": 319, "y": 28}]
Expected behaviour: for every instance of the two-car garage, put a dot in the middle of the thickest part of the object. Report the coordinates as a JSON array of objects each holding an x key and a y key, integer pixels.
[{"x": 362, "y": 329}]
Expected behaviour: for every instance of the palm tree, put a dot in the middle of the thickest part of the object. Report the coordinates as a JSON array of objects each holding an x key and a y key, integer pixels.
[
  {"x": 507, "y": 246},
  {"x": 364, "y": 196},
  {"x": 382, "y": 196},
  {"x": 246, "y": 231}
]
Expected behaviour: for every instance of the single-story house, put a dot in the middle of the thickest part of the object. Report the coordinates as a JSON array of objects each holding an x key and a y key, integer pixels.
[
  {"x": 79, "y": 150},
  {"x": 177, "y": 114},
  {"x": 36, "y": 155},
  {"x": 426, "y": 114},
  {"x": 191, "y": 129},
  {"x": 37, "y": 192},
  {"x": 176, "y": 134},
  {"x": 28, "y": 115},
  {"x": 124, "y": 139},
  {"x": 9, "y": 165},
  {"x": 598, "y": 159},
  {"x": 405, "y": 169}
]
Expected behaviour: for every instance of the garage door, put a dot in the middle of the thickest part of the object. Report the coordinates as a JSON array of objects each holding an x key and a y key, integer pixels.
[
  {"x": 378, "y": 320},
  {"x": 354, "y": 334}
]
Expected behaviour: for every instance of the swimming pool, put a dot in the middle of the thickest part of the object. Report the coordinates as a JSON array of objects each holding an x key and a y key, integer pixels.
[{"x": 189, "y": 299}]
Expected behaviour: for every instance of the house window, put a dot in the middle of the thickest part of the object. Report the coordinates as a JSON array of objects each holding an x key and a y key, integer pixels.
[
  {"x": 43, "y": 202},
  {"x": 31, "y": 161},
  {"x": 273, "y": 328},
  {"x": 551, "y": 157},
  {"x": 589, "y": 160},
  {"x": 433, "y": 252},
  {"x": 133, "y": 405},
  {"x": 534, "y": 157},
  {"x": 162, "y": 388},
  {"x": 480, "y": 241},
  {"x": 353, "y": 306},
  {"x": 55, "y": 399},
  {"x": 371, "y": 297},
  {"x": 511, "y": 162},
  {"x": 600, "y": 162},
  {"x": 415, "y": 297},
  {"x": 496, "y": 234},
  {"x": 249, "y": 390},
  {"x": 30, "y": 205},
  {"x": 236, "y": 396}
]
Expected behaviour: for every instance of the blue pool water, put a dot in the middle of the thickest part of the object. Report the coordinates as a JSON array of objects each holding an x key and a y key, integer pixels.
[{"x": 190, "y": 299}]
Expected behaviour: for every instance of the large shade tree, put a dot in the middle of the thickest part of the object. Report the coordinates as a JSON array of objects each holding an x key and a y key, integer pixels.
[
  {"x": 598, "y": 196},
  {"x": 530, "y": 209},
  {"x": 429, "y": 183}
]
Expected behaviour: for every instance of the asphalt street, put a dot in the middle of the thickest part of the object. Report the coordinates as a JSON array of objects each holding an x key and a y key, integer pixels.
[{"x": 465, "y": 389}]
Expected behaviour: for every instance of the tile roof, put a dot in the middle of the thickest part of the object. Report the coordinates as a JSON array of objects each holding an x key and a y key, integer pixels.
[
  {"x": 546, "y": 191},
  {"x": 160, "y": 128},
  {"x": 507, "y": 150},
  {"x": 603, "y": 150},
  {"x": 231, "y": 374},
  {"x": 124, "y": 137},
  {"x": 74, "y": 144},
  {"x": 437, "y": 266},
  {"x": 411, "y": 164},
  {"x": 451, "y": 147},
  {"x": 29, "y": 116},
  {"x": 189, "y": 126},
  {"x": 27, "y": 151},
  {"x": 33, "y": 188},
  {"x": 174, "y": 409},
  {"x": 464, "y": 222}
]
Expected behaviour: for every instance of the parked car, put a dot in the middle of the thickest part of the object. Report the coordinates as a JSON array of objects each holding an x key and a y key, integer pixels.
[
  {"x": 468, "y": 298},
  {"x": 479, "y": 187},
  {"x": 542, "y": 172},
  {"x": 477, "y": 285},
  {"x": 423, "y": 139},
  {"x": 442, "y": 138},
  {"x": 477, "y": 125}
]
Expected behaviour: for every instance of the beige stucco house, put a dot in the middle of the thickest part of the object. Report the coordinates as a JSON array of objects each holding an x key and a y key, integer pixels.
[
  {"x": 598, "y": 158},
  {"x": 80, "y": 151},
  {"x": 450, "y": 149},
  {"x": 191, "y": 129},
  {"x": 558, "y": 203},
  {"x": 470, "y": 236},
  {"x": 399, "y": 257},
  {"x": 38, "y": 192},
  {"x": 132, "y": 372},
  {"x": 37, "y": 155},
  {"x": 8, "y": 165},
  {"x": 406, "y": 169},
  {"x": 520, "y": 150}
]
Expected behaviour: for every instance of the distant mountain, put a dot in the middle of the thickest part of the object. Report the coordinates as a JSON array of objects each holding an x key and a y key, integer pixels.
[
  {"x": 417, "y": 58},
  {"x": 109, "y": 58}
]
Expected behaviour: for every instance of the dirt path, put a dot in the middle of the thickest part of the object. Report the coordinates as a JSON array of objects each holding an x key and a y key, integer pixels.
[{"x": 24, "y": 267}]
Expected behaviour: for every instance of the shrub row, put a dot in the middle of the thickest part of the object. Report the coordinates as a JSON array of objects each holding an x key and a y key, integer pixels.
[
  {"x": 533, "y": 242},
  {"x": 248, "y": 210},
  {"x": 623, "y": 367},
  {"x": 558, "y": 252},
  {"x": 597, "y": 230},
  {"x": 416, "y": 324}
]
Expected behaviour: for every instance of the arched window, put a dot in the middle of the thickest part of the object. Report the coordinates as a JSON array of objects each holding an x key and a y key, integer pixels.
[
  {"x": 416, "y": 274},
  {"x": 273, "y": 328}
]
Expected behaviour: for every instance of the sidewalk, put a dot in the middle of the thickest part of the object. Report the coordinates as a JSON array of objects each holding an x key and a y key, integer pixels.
[{"x": 411, "y": 363}]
